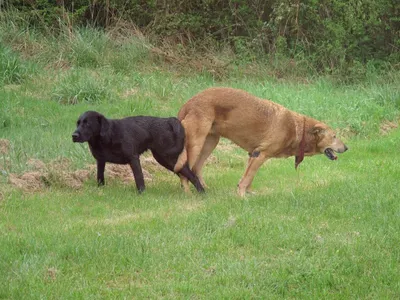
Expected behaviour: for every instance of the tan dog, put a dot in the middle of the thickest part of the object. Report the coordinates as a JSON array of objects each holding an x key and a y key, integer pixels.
[{"x": 263, "y": 128}]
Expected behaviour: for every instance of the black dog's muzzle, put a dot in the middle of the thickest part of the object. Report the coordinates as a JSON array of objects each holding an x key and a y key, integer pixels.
[{"x": 76, "y": 137}]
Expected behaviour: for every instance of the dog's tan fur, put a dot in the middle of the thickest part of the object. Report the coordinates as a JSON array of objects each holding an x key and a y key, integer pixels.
[{"x": 263, "y": 128}]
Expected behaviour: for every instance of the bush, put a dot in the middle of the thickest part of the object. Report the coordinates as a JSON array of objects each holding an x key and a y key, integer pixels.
[{"x": 336, "y": 37}]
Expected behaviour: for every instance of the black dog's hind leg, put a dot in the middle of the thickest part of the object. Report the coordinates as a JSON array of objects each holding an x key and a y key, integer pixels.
[
  {"x": 163, "y": 161},
  {"x": 137, "y": 173},
  {"x": 185, "y": 171},
  {"x": 100, "y": 172}
]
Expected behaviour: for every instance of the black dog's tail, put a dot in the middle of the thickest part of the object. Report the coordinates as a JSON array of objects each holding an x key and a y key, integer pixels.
[{"x": 179, "y": 132}]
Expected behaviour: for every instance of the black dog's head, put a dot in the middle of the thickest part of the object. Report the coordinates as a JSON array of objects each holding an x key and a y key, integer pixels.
[{"x": 90, "y": 125}]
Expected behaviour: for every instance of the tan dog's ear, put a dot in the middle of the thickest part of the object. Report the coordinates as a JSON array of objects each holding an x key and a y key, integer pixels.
[{"x": 318, "y": 128}]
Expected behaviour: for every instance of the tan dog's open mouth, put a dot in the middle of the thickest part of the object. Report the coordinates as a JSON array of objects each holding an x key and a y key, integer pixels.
[{"x": 330, "y": 154}]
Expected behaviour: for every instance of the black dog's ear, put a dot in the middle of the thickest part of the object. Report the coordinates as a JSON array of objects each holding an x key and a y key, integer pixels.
[{"x": 104, "y": 128}]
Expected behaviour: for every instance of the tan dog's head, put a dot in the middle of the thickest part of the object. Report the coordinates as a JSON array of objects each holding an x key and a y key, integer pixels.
[{"x": 327, "y": 142}]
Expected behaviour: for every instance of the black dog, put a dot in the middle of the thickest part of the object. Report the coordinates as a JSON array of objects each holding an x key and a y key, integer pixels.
[{"x": 122, "y": 141}]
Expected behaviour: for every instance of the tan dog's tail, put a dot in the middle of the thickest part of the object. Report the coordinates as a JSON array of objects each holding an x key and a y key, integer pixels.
[
  {"x": 182, "y": 159},
  {"x": 182, "y": 113}
]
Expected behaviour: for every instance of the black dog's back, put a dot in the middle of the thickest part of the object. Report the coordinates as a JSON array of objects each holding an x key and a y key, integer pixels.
[
  {"x": 167, "y": 138},
  {"x": 167, "y": 134},
  {"x": 171, "y": 145},
  {"x": 179, "y": 131}
]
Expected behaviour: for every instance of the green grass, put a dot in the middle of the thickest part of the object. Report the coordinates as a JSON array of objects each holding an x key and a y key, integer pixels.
[{"x": 329, "y": 230}]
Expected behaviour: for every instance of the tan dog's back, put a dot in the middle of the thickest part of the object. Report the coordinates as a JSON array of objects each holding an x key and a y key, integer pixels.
[{"x": 239, "y": 116}]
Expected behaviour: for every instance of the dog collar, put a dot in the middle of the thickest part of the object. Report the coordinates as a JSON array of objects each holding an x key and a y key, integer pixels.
[{"x": 300, "y": 156}]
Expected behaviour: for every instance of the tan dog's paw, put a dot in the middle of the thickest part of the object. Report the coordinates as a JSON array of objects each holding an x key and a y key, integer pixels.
[
  {"x": 251, "y": 192},
  {"x": 241, "y": 192}
]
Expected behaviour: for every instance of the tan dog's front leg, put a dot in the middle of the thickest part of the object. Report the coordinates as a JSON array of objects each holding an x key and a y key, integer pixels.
[
  {"x": 255, "y": 161},
  {"x": 248, "y": 189}
]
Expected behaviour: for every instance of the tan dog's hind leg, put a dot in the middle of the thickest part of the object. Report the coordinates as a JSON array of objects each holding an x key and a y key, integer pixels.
[
  {"x": 209, "y": 145},
  {"x": 195, "y": 139},
  {"x": 197, "y": 131},
  {"x": 253, "y": 165},
  {"x": 182, "y": 159}
]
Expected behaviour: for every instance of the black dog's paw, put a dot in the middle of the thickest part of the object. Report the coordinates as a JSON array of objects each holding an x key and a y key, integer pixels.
[
  {"x": 141, "y": 189},
  {"x": 200, "y": 189}
]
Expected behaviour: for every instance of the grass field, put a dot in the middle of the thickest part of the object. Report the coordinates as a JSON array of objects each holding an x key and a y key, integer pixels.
[{"x": 328, "y": 231}]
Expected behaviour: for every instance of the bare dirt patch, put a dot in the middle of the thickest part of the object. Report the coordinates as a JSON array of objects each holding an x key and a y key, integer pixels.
[
  {"x": 60, "y": 64},
  {"x": 129, "y": 93},
  {"x": 58, "y": 173},
  {"x": 387, "y": 126},
  {"x": 51, "y": 274},
  {"x": 4, "y": 146},
  {"x": 36, "y": 164},
  {"x": 121, "y": 172},
  {"x": 218, "y": 67},
  {"x": 74, "y": 179},
  {"x": 29, "y": 181}
]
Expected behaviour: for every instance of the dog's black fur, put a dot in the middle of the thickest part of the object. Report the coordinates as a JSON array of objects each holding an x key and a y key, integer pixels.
[{"x": 122, "y": 141}]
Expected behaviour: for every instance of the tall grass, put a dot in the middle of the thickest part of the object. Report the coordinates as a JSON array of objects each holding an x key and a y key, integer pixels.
[
  {"x": 81, "y": 86},
  {"x": 13, "y": 70}
]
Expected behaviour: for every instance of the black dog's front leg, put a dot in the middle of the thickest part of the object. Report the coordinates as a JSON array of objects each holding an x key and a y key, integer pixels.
[
  {"x": 137, "y": 173},
  {"x": 100, "y": 172}
]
